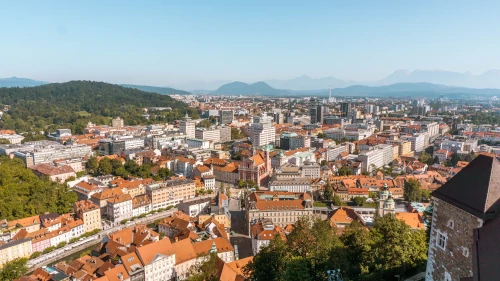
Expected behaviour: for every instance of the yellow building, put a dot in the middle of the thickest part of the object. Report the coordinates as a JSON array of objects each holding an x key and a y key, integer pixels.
[
  {"x": 20, "y": 248},
  {"x": 89, "y": 213}
]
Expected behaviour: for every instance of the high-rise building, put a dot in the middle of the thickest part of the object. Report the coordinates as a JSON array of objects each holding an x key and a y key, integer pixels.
[
  {"x": 225, "y": 133},
  {"x": 278, "y": 118},
  {"x": 345, "y": 108},
  {"x": 117, "y": 122},
  {"x": 285, "y": 140},
  {"x": 316, "y": 111},
  {"x": 226, "y": 116},
  {"x": 262, "y": 130},
  {"x": 187, "y": 127}
]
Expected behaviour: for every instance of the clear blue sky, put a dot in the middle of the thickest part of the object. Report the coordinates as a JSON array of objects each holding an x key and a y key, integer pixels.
[{"x": 164, "y": 42}]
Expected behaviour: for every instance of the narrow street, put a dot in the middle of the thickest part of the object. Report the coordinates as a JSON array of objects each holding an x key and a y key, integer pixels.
[{"x": 239, "y": 226}]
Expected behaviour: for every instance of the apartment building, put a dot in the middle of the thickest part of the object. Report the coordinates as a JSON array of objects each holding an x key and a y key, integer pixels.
[
  {"x": 158, "y": 260},
  {"x": 225, "y": 133},
  {"x": 281, "y": 208},
  {"x": 89, "y": 213},
  {"x": 141, "y": 205},
  {"x": 226, "y": 116},
  {"x": 263, "y": 232},
  {"x": 101, "y": 198},
  {"x": 170, "y": 192},
  {"x": 379, "y": 156},
  {"x": 187, "y": 127},
  {"x": 119, "y": 207},
  {"x": 207, "y": 134},
  {"x": 15, "y": 249},
  {"x": 417, "y": 141},
  {"x": 262, "y": 131},
  {"x": 194, "y": 207}
]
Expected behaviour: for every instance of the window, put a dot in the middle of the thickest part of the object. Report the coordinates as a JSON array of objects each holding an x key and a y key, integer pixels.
[
  {"x": 465, "y": 252},
  {"x": 451, "y": 224},
  {"x": 441, "y": 240}
]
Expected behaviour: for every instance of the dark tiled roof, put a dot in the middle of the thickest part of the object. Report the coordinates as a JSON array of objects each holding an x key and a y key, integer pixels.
[{"x": 475, "y": 189}]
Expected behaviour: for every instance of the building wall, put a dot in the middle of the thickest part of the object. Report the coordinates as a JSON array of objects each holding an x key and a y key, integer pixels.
[{"x": 450, "y": 261}]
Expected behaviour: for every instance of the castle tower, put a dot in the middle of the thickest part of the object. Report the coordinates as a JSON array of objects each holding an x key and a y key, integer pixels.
[{"x": 467, "y": 201}]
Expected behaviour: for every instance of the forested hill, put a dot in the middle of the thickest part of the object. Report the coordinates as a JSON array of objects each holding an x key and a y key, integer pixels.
[{"x": 73, "y": 104}]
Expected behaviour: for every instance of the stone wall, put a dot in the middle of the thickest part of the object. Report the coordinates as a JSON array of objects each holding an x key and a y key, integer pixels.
[{"x": 455, "y": 261}]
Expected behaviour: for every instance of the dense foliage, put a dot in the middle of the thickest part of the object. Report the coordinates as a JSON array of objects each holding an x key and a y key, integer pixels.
[
  {"x": 389, "y": 248},
  {"x": 115, "y": 167},
  {"x": 13, "y": 269},
  {"x": 73, "y": 104},
  {"x": 24, "y": 194}
]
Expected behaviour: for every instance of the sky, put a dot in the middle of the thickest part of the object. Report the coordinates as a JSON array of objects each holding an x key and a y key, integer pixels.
[{"x": 166, "y": 43}]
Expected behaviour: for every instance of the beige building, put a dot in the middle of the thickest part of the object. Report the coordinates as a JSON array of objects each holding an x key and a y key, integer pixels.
[
  {"x": 222, "y": 219},
  {"x": 281, "y": 208},
  {"x": 31, "y": 224},
  {"x": 101, "y": 198},
  {"x": 20, "y": 248},
  {"x": 170, "y": 192},
  {"x": 89, "y": 213},
  {"x": 117, "y": 123}
]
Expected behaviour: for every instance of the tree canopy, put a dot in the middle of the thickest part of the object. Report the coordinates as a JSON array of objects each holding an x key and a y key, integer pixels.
[
  {"x": 24, "y": 194},
  {"x": 412, "y": 191},
  {"x": 73, "y": 104},
  {"x": 313, "y": 247}
]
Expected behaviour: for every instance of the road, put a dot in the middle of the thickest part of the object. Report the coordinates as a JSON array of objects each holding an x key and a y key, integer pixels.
[
  {"x": 239, "y": 226},
  {"x": 55, "y": 255}
]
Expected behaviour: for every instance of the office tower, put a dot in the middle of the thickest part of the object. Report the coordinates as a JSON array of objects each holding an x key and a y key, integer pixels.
[
  {"x": 316, "y": 111},
  {"x": 226, "y": 116},
  {"x": 345, "y": 108}
]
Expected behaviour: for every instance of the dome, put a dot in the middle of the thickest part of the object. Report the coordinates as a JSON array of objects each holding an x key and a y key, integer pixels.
[{"x": 389, "y": 201}]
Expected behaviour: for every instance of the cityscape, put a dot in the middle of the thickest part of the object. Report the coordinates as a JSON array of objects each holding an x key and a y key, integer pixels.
[{"x": 164, "y": 160}]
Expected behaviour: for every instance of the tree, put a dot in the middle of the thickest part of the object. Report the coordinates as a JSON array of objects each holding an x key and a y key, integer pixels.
[
  {"x": 205, "y": 123},
  {"x": 24, "y": 194},
  {"x": 297, "y": 269},
  {"x": 344, "y": 171},
  {"x": 397, "y": 248},
  {"x": 269, "y": 263},
  {"x": 122, "y": 172},
  {"x": 358, "y": 246},
  {"x": 4, "y": 141},
  {"x": 13, "y": 269},
  {"x": 430, "y": 150},
  {"x": 328, "y": 194},
  {"x": 454, "y": 159},
  {"x": 359, "y": 200},
  {"x": 412, "y": 191},
  {"x": 436, "y": 160},
  {"x": 323, "y": 163},
  {"x": 164, "y": 173},
  {"x": 105, "y": 167},
  {"x": 425, "y": 158},
  {"x": 92, "y": 165},
  {"x": 322, "y": 136},
  {"x": 116, "y": 164},
  {"x": 337, "y": 201}
]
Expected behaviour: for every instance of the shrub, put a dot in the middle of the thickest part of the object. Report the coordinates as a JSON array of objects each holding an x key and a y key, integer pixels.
[
  {"x": 62, "y": 244},
  {"x": 35, "y": 255},
  {"x": 49, "y": 249}
]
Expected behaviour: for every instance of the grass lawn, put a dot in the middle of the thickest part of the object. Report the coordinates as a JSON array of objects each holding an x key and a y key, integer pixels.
[{"x": 319, "y": 204}]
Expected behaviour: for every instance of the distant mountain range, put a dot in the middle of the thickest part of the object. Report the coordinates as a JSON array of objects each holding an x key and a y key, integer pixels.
[
  {"x": 158, "y": 90},
  {"x": 394, "y": 90},
  {"x": 240, "y": 88},
  {"x": 19, "y": 82},
  {"x": 489, "y": 79}
]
